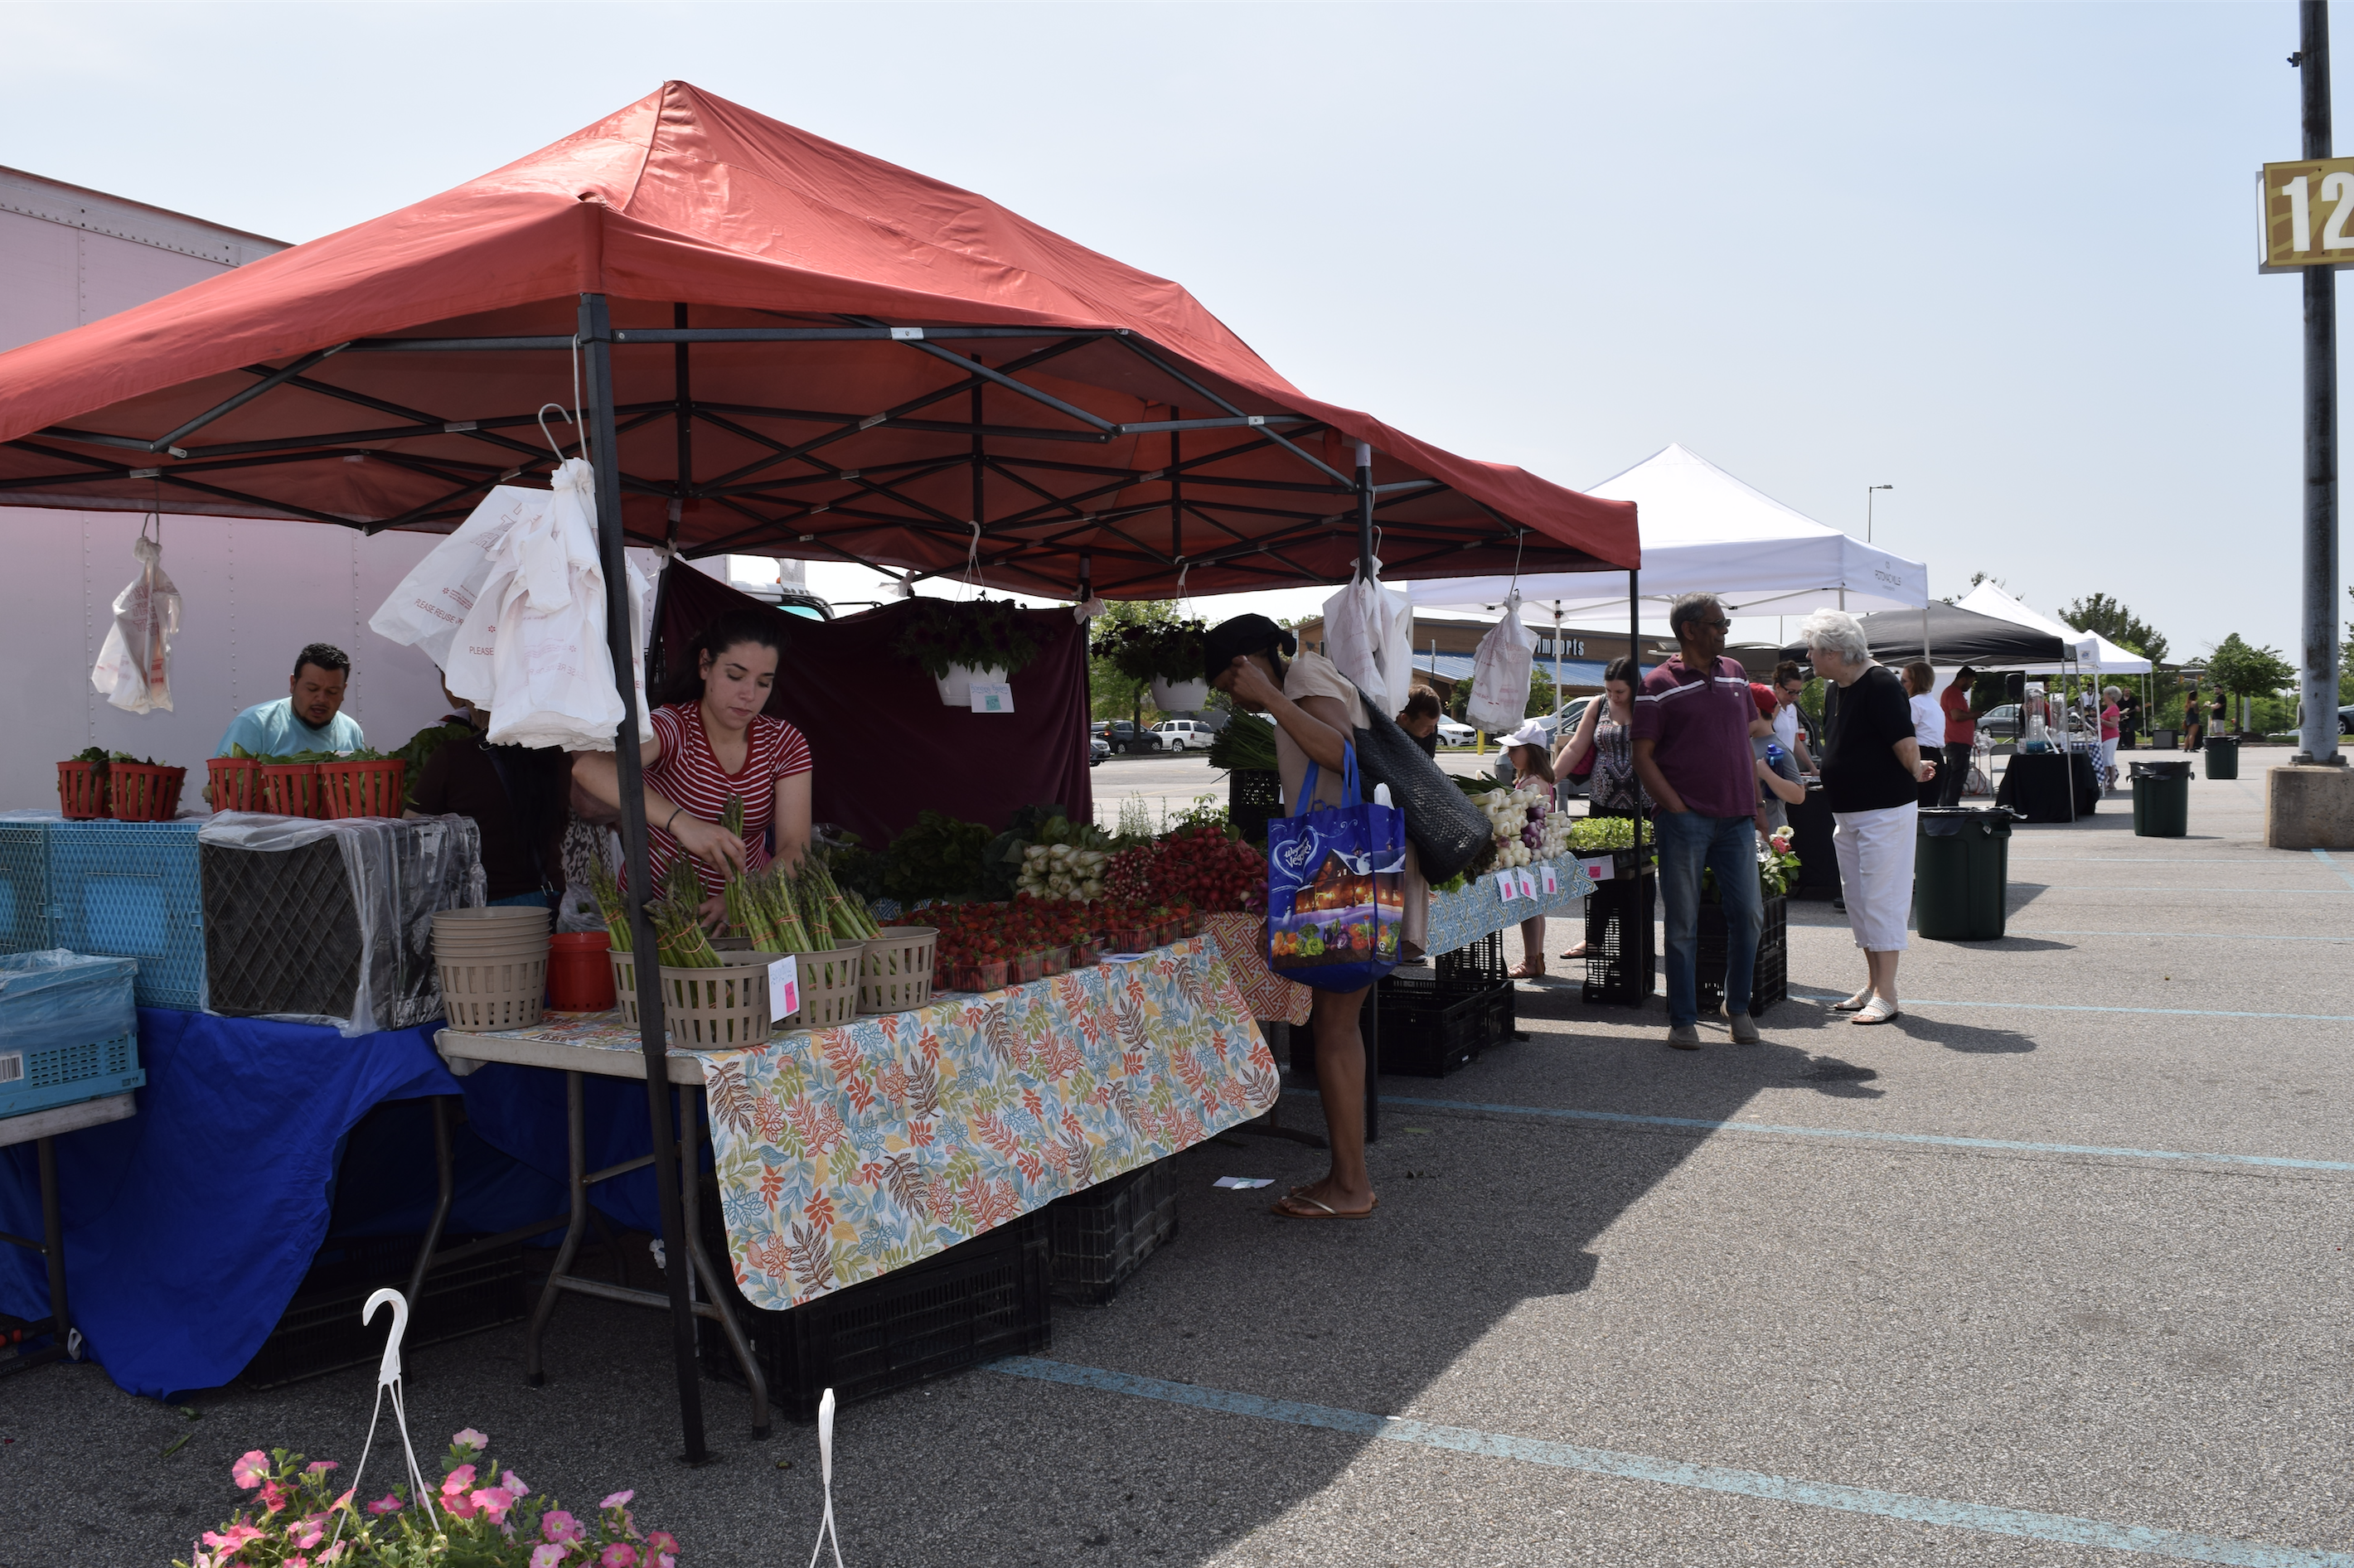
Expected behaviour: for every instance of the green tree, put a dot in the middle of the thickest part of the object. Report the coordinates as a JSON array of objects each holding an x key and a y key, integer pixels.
[
  {"x": 1540, "y": 692},
  {"x": 2099, "y": 612},
  {"x": 2244, "y": 669},
  {"x": 1975, "y": 578},
  {"x": 1112, "y": 695}
]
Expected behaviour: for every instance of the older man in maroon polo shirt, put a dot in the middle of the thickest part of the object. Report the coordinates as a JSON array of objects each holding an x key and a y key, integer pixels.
[{"x": 1692, "y": 751}]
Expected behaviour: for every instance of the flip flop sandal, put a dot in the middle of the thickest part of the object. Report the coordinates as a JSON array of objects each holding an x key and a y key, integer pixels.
[
  {"x": 1878, "y": 1011},
  {"x": 1855, "y": 1003},
  {"x": 1280, "y": 1213}
]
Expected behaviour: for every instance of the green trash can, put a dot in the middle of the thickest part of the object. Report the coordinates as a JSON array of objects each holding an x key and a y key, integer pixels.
[
  {"x": 2222, "y": 756},
  {"x": 2161, "y": 796},
  {"x": 1961, "y": 874}
]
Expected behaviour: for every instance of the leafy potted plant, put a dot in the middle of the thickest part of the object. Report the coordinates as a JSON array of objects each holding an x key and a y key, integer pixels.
[
  {"x": 1168, "y": 654},
  {"x": 957, "y": 643}
]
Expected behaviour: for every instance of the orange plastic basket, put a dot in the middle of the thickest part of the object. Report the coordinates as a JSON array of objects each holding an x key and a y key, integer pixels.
[
  {"x": 143, "y": 792},
  {"x": 362, "y": 788},
  {"x": 291, "y": 788},
  {"x": 81, "y": 789},
  {"x": 237, "y": 783}
]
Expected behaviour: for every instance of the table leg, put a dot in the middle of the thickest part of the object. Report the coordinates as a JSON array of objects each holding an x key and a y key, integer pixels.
[
  {"x": 53, "y": 1247},
  {"x": 576, "y": 1159},
  {"x": 691, "y": 1203},
  {"x": 445, "y": 1174}
]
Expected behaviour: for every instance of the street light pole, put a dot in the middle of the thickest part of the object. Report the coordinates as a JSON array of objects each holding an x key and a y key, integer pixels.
[
  {"x": 2318, "y": 673},
  {"x": 1867, "y": 508}
]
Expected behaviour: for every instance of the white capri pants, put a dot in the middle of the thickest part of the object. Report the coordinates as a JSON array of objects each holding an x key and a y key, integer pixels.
[{"x": 1875, "y": 862}]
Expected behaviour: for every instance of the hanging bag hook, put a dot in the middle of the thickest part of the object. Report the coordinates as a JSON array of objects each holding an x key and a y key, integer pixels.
[{"x": 552, "y": 445}]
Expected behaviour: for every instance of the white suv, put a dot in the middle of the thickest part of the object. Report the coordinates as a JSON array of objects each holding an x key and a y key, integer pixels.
[{"x": 1184, "y": 734}]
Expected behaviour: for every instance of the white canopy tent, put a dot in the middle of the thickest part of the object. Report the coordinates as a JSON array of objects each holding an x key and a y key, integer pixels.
[
  {"x": 1703, "y": 530},
  {"x": 2092, "y": 650}
]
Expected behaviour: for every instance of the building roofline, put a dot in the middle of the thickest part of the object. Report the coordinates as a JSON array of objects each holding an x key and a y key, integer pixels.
[{"x": 141, "y": 223}]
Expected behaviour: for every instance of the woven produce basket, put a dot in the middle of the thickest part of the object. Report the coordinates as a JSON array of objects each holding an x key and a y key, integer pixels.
[
  {"x": 81, "y": 791},
  {"x": 236, "y": 783},
  {"x": 291, "y": 788},
  {"x": 830, "y": 989},
  {"x": 143, "y": 792},
  {"x": 481, "y": 993},
  {"x": 897, "y": 976},
  {"x": 703, "y": 1008},
  {"x": 362, "y": 789}
]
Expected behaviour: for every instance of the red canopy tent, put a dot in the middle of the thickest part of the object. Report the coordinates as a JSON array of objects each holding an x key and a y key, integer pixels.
[{"x": 791, "y": 349}]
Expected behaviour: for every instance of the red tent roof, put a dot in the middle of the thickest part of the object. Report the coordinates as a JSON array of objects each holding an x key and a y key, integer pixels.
[{"x": 688, "y": 211}]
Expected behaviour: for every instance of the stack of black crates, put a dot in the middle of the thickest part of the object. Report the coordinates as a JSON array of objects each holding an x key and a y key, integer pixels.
[
  {"x": 1771, "y": 982},
  {"x": 1621, "y": 951},
  {"x": 1435, "y": 1022},
  {"x": 1254, "y": 798}
]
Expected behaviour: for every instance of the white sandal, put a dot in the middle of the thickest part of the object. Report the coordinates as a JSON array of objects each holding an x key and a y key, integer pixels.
[
  {"x": 1879, "y": 1010},
  {"x": 1855, "y": 1003}
]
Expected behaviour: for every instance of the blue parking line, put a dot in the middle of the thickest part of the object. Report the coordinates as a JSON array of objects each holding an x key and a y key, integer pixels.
[
  {"x": 2074, "y": 1007},
  {"x": 2343, "y": 874},
  {"x": 2032, "y": 1524},
  {"x": 1941, "y": 1139},
  {"x": 2186, "y": 936}
]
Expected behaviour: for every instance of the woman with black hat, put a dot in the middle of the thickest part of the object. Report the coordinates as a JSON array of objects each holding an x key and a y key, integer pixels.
[{"x": 1317, "y": 714}]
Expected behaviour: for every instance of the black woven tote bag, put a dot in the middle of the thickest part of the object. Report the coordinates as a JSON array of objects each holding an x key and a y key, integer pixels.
[{"x": 1445, "y": 828}]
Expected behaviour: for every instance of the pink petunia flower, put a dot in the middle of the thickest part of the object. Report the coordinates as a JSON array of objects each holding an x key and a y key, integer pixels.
[
  {"x": 388, "y": 1503},
  {"x": 618, "y": 1500},
  {"x": 305, "y": 1533},
  {"x": 251, "y": 1469},
  {"x": 297, "y": 1561},
  {"x": 232, "y": 1541},
  {"x": 514, "y": 1484},
  {"x": 273, "y": 1496},
  {"x": 469, "y": 1438},
  {"x": 319, "y": 1466},
  {"x": 335, "y": 1553},
  {"x": 458, "y": 1505},
  {"x": 560, "y": 1527},
  {"x": 621, "y": 1554},
  {"x": 494, "y": 1501},
  {"x": 662, "y": 1540},
  {"x": 547, "y": 1556},
  {"x": 458, "y": 1480}
]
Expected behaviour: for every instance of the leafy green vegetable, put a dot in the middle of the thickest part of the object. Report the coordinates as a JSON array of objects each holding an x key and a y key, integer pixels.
[
  {"x": 1246, "y": 742},
  {"x": 938, "y": 857},
  {"x": 422, "y": 744},
  {"x": 95, "y": 754}
]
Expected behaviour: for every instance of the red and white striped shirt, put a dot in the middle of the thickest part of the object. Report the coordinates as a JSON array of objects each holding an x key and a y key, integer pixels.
[{"x": 689, "y": 776}]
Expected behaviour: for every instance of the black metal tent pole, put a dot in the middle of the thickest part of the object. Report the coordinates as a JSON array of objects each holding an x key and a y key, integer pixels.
[
  {"x": 1635, "y": 908},
  {"x": 596, "y": 341},
  {"x": 1369, "y": 570}
]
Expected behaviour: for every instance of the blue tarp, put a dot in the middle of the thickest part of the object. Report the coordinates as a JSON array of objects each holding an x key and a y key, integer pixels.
[{"x": 189, "y": 1226}]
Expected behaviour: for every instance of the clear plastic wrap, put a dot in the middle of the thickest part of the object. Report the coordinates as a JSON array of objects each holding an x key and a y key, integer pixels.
[
  {"x": 56, "y": 998},
  {"x": 331, "y": 922}
]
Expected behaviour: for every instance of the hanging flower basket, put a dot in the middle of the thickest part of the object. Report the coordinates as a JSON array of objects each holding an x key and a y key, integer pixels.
[
  {"x": 956, "y": 686},
  {"x": 1168, "y": 654},
  {"x": 1180, "y": 696},
  {"x": 957, "y": 643}
]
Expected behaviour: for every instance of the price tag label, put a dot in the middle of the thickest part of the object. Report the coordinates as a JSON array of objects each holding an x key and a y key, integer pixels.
[
  {"x": 1551, "y": 879},
  {"x": 1508, "y": 885},
  {"x": 784, "y": 987},
  {"x": 1528, "y": 881},
  {"x": 1598, "y": 868},
  {"x": 992, "y": 696}
]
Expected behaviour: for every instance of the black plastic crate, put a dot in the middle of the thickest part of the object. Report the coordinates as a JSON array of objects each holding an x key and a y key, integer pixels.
[
  {"x": 1478, "y": 960},
  {"x": 1621, "y": 950},
  {"x": 1770, "y": 983},
  {"x": 1432, "y": 1027},
  {"x": 1254, "y": 798},
  {"x": 979, "y": 1300},
  {"x": 1103, "y": 1234},
  {"x": 321, "y": 1332}
]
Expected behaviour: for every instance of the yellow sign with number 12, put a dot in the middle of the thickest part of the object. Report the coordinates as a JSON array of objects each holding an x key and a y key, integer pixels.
[{"x": 2308, "y": 213}]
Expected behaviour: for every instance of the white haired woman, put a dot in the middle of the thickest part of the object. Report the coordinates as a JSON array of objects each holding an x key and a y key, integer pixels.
[
  {"x": 2110, "y": 716},
  {"x": 1872, "y": 771}
]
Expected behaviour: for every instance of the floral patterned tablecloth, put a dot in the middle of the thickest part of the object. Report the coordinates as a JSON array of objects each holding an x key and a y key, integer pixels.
[
  {"x": 1471, "y": 912},
  {"x": 846, "y": 1153},
  {"x": 1242, "y": 942}
]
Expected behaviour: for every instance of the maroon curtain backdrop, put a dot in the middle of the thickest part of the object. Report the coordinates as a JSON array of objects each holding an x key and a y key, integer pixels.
[{"x": 885, "y": 745}]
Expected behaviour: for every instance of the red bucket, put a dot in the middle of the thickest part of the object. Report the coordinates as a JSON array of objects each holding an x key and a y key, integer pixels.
[
  {"x": 81, "y": 789},
  {"x": 362, "y": 789},
  {"x": 291, "y": 788},
  {"x": 143, "y": 792},
  {"x": 580, "y": 971},
  {"x": 236, "y": 783}
]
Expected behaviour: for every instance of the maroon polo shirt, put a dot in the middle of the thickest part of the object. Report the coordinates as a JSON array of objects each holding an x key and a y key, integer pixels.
[{"x": 1701, "y": 723}]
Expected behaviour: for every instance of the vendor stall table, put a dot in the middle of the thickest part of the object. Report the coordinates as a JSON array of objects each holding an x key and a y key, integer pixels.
[
  {"x": 2035, "y": 786},
  {"x": 1478, "y": 907},
  {"x": 42, "y": 1128}
]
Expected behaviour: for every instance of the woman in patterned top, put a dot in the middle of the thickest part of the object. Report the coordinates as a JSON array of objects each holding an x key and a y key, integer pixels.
[
  {"x": 711, "y": 742},
  {"x": 1606, "y": 730}
]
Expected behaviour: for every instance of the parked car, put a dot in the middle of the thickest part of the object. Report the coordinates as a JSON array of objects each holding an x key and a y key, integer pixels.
[
  {"x": 1453, "y": 732},
  {"x": 1184, "y": 734},
  {"x": 2346, "y": 719},
  {"x": 1097, "y": 750},
  {"x": 1121, "y": 735}
]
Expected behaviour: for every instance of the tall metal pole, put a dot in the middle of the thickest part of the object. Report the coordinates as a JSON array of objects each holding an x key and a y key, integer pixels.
[
  {"x": 1369, "y": 571},
  {"x": 2318, "y": 674},
  {"x": 653, "y": 1040}
]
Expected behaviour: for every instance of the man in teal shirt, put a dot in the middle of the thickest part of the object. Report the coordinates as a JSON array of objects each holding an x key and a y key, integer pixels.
[{"x": 308, "y": 718}]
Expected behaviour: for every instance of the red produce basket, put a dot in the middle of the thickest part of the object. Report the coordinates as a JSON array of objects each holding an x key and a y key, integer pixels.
[
  {"x": 236, "y": 782},
  {"x": 81, "y": 789},
  {"x": 362, "y": 788},
  {"x": 139, "y": 792},
  {"x": 291, "y": 788}
]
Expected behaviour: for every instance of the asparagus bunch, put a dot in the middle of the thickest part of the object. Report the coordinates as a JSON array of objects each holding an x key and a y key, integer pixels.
[
  {"x": 845, "y": 913},
  {"x": 611, "y": 905},
  {"x": 679, "y": 937},
  {"x": 775, "y": 895}
]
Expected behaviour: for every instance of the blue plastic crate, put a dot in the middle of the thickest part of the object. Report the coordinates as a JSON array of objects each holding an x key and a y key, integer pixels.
[
  {"x": 130, "y": 890},
  {"x": 68, "y": 1033},
  {"x": 24, "y": 886}
]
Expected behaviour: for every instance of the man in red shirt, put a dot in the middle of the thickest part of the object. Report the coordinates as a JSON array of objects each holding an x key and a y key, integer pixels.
[
  {"x": 1691, "y": 752},
  {"x": 1961, "y": 735}
]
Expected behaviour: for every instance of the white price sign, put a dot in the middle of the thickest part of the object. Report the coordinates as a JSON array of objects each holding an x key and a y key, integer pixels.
[
  {"x": 784, "y": 987},
  {"x": 992, "y": 696}
]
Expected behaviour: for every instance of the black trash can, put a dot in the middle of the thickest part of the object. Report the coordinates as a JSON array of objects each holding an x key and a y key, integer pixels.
[
  {"x": 1961, "y": 874},
  {"x": 2222, "y": 756},
  {"x": 2161, "y": 800}
]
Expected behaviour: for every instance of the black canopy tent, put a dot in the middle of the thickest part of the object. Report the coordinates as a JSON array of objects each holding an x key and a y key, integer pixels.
[{"x": 1956, "y": 636}]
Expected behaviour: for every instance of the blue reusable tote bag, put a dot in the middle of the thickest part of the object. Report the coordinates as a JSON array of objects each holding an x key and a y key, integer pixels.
[{"x": 1335, "y": 888}]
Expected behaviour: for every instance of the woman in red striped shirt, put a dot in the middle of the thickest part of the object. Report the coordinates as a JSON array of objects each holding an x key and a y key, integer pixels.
[{"x": 712, "y": 741}]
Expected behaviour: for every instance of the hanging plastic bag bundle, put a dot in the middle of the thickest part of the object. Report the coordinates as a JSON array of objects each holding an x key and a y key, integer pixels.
[
  {"x": 132, "y": 669},
  {"x": 1369, "y": 637},
  {"x": 1499, "y": 672},
  {"x": 1336, "y": 889}
]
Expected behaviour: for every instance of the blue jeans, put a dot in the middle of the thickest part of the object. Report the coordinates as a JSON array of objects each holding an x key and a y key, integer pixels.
[{"x": 1728, "y": 846}]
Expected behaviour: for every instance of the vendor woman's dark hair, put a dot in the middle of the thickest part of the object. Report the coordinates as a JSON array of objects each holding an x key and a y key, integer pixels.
[{"x": 683, "y": 682}]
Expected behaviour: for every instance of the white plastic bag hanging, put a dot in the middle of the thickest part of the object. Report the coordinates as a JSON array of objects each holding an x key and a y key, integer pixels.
[
  {"x": 1499, "y": 672},
  {"x": 132, "y": 669},
  {"x": 434, "y": 600},
  {"x": 550, "y": 668},
  {"x": 1369, "y": 637}
]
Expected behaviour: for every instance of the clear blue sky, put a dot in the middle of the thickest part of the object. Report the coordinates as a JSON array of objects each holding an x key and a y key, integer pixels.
[{"x": 1998, "y": 255}]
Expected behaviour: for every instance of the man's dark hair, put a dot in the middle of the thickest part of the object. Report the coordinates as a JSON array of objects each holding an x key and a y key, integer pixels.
[
  {"x": 325, "y": 655},
  {"x": 1691, "y": 607},
  {"x": 1787, "y": 670},
  {"x": 1421, "y": 702}
]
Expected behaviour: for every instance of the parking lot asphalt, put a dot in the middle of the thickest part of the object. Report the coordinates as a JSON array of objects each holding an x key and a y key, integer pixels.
[{"x": 2050, "y": 1270}]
